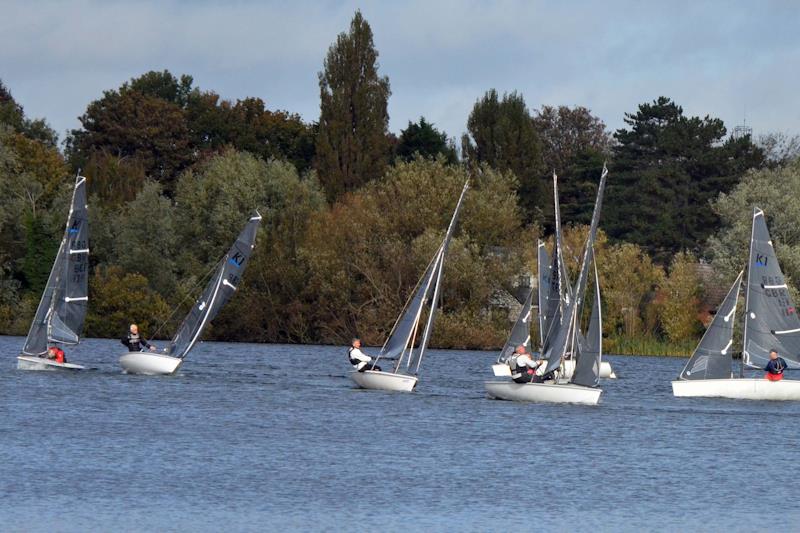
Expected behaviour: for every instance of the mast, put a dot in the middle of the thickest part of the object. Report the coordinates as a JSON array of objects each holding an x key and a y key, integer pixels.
[{"x": 756, "y": 212}]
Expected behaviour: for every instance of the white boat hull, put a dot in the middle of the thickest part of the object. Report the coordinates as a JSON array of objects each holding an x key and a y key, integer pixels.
[
  {"x": 606, "y": 372},
  {"x": 543, "y": 392},
  {"x": 149, "y": 364},
  {"x": 738, "y": 389},
  {"x": 31, "y": 362},
  {"x": 372, "y": 379}
]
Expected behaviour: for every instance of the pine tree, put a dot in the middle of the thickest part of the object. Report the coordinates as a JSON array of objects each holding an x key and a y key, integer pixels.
[
  {"x": 424, "y": 139},
  {"x": 352, "y": 147}
]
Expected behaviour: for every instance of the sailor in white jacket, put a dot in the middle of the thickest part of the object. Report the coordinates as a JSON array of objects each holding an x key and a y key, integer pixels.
[{"x": 359, "y": 359}]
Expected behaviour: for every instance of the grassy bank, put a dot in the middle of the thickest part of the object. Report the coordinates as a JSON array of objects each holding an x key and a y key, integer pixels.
[{"x": 648, "y": 346}]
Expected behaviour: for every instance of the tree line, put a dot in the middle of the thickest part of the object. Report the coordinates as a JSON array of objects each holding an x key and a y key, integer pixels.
[{"x": 352, "y": 212}]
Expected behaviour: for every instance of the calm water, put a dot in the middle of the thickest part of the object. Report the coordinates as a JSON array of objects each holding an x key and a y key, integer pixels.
[{"x": 255, "y": 437}]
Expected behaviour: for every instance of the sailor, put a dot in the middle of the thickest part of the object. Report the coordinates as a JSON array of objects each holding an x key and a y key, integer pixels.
[
  {"x": 134, "y": 342},
  {"x": 56, "y": 354},
  {"x": 523, "y": 367},
  {"x": 775, "y": 366},
  {"x": 359, "y": 359}
]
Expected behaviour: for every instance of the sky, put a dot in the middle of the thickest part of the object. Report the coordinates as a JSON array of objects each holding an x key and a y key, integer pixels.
[{"x": 733, "y": 59}]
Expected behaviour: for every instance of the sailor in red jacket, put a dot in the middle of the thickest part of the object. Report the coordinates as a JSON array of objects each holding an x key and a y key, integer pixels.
[{"x": 57, "y": 354}]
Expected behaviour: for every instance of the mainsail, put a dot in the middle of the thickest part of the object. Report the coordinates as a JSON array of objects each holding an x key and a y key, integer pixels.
[
  {"x": 220, "y": 288},
  {"x": 771, "y": 320},
  {"x": 544, "y": 273},
  {"x": 521, "y": 332},
  {"x": 402, "y": 338},
  {"x": 713, "y": 356},
  {"x": 565, "y": 338},
  {"x": 62, "y": 309},
  {"x": 587, "y": 367},
  {"x": 559, "y": 263}
]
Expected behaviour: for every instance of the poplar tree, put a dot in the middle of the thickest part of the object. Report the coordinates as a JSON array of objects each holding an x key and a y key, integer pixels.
[
  {"x": 502, "y": 134},
  {"x": 353, "y": 146}
]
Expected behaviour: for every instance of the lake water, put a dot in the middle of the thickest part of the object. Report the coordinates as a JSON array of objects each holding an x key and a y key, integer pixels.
[{"x": 251, "y": 437}]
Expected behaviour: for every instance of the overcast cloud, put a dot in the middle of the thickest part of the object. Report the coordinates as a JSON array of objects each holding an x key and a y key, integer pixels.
[{"x": 719, "y": 58}]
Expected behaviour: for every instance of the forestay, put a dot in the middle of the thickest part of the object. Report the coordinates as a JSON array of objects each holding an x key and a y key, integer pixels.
[
  {"x": 62, "y": 309},
  {"x": 220, "y": 288},
  {"x": 771, "y": 320},
  {"x": 521, "y": 332},
  {"x": 713, "y": 356}
]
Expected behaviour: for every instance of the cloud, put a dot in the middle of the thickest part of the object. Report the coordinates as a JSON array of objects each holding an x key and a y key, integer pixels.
[{"x": 713, "y": 58}]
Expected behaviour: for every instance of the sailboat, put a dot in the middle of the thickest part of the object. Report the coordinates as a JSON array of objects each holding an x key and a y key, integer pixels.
[
  {"x": 218, "y": 291},
  {"x": 770, "y": 322},
  {"x": 582, "y": 385},
  {"x": 62, "y": 309},
  {"x": 400, "y": 345},
  {"x": 564, "y": 341}
]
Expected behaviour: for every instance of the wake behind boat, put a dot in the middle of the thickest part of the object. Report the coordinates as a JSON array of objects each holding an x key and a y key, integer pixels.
[
  {"x": 770, "y": 324},
  {"x": 62, "y": 308},
  {"x": 218, "y": 291},
  {"x": 400, "y": 345}
]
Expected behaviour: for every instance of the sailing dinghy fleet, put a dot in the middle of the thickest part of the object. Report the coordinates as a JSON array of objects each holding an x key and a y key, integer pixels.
[
  {"x": 570, "y": 346},
  {"x": 564, "y": 341}
]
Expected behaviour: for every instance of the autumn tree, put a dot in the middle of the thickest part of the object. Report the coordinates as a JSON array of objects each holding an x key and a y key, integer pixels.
[
  {"x": 681, "y": 288},
  {"x": 352, "y": 146}
]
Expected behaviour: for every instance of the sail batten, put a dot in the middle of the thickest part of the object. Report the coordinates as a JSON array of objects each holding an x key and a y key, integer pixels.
[{"x": 218, "y": 291}]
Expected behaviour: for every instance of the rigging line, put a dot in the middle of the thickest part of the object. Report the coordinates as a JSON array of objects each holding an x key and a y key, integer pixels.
[{"x": 206, "y": 276}]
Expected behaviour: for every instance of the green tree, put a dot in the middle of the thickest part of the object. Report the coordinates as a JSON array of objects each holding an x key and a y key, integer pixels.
[
  {"x": 424, "y": 139},
  {"x": 213, "y": 205},
  {"x": 145, "y": 239},
  {"x": 13, "y": 116},
  {"x": 502, "y": 135},
  {"x": 776, "y": 191},
  {"x": 352, "y": 146},
  {"x": 667, "y": 168}
]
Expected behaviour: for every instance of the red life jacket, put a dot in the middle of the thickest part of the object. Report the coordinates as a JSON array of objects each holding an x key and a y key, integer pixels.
[{"x": 59, "y": 355}]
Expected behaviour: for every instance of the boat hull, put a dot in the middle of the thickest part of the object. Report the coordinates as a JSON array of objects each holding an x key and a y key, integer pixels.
[
  {"x": 738, "y": 389},
  {"x": 606, "y": 372},
  {"x": 543, "y": 392},
  {"x": 372, "y": 379},
  {"x": 149, "y": 364},
  {"x": 31, "y": 362}
]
